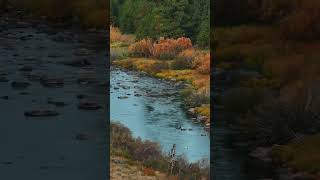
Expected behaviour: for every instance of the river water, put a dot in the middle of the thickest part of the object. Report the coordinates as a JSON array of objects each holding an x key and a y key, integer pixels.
[
  {"x": 41, "y": 148},
  {"x": 138, "y": 102}
]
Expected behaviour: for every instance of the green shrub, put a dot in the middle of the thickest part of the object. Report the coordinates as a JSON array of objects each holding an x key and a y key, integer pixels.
[{"x": 180, "y": 64}]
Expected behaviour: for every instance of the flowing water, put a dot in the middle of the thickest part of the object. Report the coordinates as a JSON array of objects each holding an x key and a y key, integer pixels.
[
  {"x": 41, "y": 148},
  {"x": 151, "y": 109}
]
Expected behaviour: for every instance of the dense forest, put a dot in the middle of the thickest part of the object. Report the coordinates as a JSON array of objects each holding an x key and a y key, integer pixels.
[{"x": 167, "y": 18}]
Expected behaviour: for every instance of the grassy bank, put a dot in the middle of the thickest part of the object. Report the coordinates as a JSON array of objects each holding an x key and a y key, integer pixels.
[
  {"x": 149, "y": 156},
  {"x": 171, "y": 59}
]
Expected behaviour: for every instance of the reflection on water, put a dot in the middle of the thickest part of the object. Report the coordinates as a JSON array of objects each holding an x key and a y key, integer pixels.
[{"x": 138, "y": 103}]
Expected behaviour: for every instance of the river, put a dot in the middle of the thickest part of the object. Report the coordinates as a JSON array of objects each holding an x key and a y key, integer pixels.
[
  {"x": 137, "y": 101},
  {"x": 68, "y": 146}
]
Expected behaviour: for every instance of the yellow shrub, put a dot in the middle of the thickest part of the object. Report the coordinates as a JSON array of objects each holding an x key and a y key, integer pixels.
[
  {"x": 117, "y": 36},
  {"x": 203, "y": 110},
  {"x": 187, "y": 55}
]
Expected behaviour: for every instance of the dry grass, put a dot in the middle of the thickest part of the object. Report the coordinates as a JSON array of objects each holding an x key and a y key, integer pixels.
[{"x": 150, "y": 66}]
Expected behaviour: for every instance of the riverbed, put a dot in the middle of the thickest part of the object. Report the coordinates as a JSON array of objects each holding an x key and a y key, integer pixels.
[
  {"x": 72, "y": 144},
  {"x": 151, "y": 109}
]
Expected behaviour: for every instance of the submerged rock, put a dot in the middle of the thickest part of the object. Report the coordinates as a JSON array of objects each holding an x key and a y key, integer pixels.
[
  {"x": 39, "y": 113},
  {"x": 150, "y": 108},
  {"x": 4, "y": 79},
  {"x": 57, "y": 103},
  {"x": 26, "y": 68},
  {"x": 54, "y": 55},
  {"x": 89, "y": 106},
  {"x": 35, "y": 76},
  {"x": 20, "y": 84},
  {"x": 5, "y": 97},
  {"x": 51, "y": 82},
  {"x": 82, "y": 137},
  {"x": 81, "y": 96},
  {"x": 82, "y": 52},
  {"x": 123, "y": 97},
  {"x": 78, "y": 63},
  {"x": 86, "y": 81}
]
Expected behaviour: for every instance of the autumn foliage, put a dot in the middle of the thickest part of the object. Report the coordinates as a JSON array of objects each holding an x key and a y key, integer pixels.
[
  {"x": 170, "y": 48},
  {"x": 117, "y": 36},
  {"x": 163, "y": 49},
  {"x": 141, "y": 48},
  {"x": 202, "y": 63},
  {"x": 187, "y": 55}
]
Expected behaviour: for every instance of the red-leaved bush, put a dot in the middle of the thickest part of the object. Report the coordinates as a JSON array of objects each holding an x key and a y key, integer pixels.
[
  {"x": 163, "y": 49},
  {"x": 141, "y": 48},
  {"x": 170, "y": 48}
]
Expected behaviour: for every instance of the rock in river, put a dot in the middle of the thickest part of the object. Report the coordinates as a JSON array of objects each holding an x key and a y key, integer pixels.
[
  {"x": 3, "y": 79},
  {"x": 123, "y": 97},
  {"x": 57, "y": 103},
  {"x": 150, "y": 108},
  {"x": 20, "y": 84},
  {"x": 81, "y": 96},
  {"x": 81, "y": 137},
  {"x": 82, "y": 52},
  {"x": 86, "y": 81},
  {"x": 78, "y": 62},
  {"x": 89, "y": 106},
  {"x": 40, "y": 113},
  {"x": 5, "y": 97},
  {"x": 26, "y": 68},
  {"x": 52, "y": 82}
]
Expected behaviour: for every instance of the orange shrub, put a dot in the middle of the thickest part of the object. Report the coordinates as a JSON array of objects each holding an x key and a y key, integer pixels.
[
  {"x": 170, "y": 48},
  {"x": 184, "y": 43},
  {"x": 141, "y": 48},
  {"x": 115, "y": 34},
  {"x": 187, "y": 55},
  {"x": 202, "y": 63}
]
